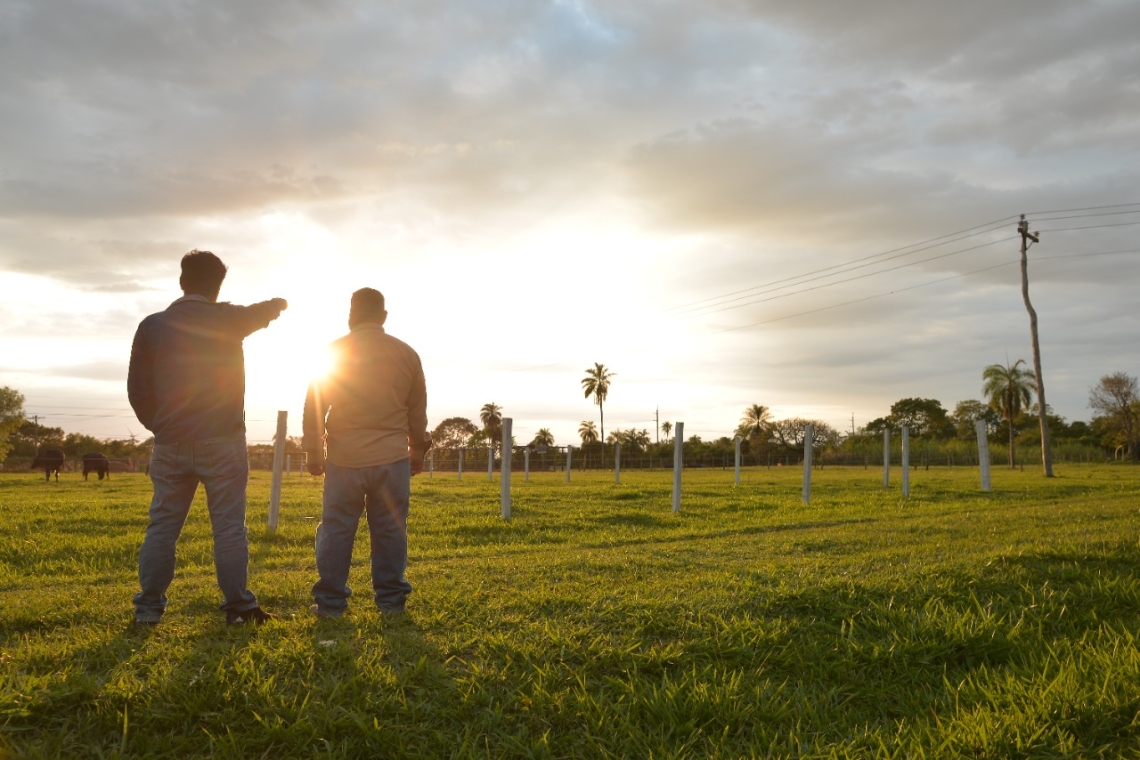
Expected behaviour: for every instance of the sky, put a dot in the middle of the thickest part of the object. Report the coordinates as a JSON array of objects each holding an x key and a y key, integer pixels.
[{"x": 810, "y": 206}]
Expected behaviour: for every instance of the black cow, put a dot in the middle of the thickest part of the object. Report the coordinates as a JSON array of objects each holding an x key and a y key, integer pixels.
[
  {"x": 98, "y": 464},
  {"x": 51, "y": 460}
]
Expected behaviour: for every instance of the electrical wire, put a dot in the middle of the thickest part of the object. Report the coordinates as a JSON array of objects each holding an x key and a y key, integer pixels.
[{"x": 925, "y": 284}]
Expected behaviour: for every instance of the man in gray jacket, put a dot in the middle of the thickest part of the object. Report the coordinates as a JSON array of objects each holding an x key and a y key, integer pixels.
[{"x": 187, "y": 385}]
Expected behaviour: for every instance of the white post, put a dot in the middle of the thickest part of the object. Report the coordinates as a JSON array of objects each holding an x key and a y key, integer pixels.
[
  {"x": 808, "y": 430},
  {"x": 461, "y": 452},
  {"x": 288, "y": 465},
  {"x": 526, "y": 464},
  {"x": 886, "y": 457},
  {"x": 568, "y": 450},
  {"x": 431, "y": 464},
  {"x": 983, "y": 454},
  {"x": 278, "y": 461},
  {"x": 678, "y": 462},
  {"x": 737, "y": 479},
  {"x": 490, "y": 461},
  {"x": 906, "y": 462},
  {"x": 617, "y": 462},
  {"x": 505, "y": 471}
]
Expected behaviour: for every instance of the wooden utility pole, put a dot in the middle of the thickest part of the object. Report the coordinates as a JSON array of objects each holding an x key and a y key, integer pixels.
[{"x": 1046, "y": 452}]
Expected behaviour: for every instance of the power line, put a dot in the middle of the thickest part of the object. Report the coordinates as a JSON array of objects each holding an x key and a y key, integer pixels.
[
  {"x": 990, "y": 225},
  {"x": 922, "y": 285},
  {"x": 858, "y": 277},
  {"x": 688, "y": 308}
]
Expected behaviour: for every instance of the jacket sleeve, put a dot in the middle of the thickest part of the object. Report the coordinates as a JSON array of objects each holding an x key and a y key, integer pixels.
[
  {"x": 313, "y": 424},
  {"x": 250, "y": 319},
  {"x": 419, "y": 439},
  {"x": 140, "y": 379}
]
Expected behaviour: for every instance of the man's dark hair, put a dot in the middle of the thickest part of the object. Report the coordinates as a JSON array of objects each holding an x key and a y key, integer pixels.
[
  {"x": 202, "y": 273},
  {"x": 367, "y": 305}
]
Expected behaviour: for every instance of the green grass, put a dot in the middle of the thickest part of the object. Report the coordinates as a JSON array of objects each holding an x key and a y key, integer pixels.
[{"x": 597, "y": 623}]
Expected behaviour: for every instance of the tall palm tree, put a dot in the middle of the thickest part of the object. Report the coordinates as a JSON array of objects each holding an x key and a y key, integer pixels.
[
  {"x": 596, "y": 383},
  {"x": 666, "y": 428},
  {"x": 1008, "y": 389},
  {"x": 491, "y": 415},
  {"x": 543, "y": 437},
  {"x": 588, "y": 432},
  {"x": 755, "y": 421}
]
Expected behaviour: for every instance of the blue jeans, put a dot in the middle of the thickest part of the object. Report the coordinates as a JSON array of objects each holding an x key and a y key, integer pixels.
[
  {"x": 382, "y": 492},
  {"x": 176, "y": 469}
]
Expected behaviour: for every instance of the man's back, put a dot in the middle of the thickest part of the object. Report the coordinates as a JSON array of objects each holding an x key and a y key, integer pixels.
[
  {"x": 375, "y": 399},
  {"x": 187, "y": 374}
]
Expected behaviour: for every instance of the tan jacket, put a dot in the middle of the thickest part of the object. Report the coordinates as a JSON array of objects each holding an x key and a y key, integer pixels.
[{"x": 372, "y": 406}]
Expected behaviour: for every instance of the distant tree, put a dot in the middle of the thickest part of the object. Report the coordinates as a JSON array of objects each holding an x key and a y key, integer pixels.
[
  {"x": 631, "y": 440},
  {"x": 543, "y": 437},
  {"x": 453, "y": 433},
  {"x": 879, "y": 424},
  {"x": 1008, "y": 389},
  {"x": 923, "y": 417},
  {"x": 11, "y": 417},
  {"x": 666, "y": 428},
  {"x": 30, "y": 437},
  {"x": 1117, "y": 398},
  {"x": 790, "y": 433},
  {"x": 967, "y": 413},
  {"x": 596, "y": 383},
  {"x": 754, "y": 424},
  {"x": 491, "y": 415},
  {"x": 588, "y": 432}
]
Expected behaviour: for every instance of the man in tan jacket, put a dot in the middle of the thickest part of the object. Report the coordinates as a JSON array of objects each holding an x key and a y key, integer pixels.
[{"x": 365, "y": 428}]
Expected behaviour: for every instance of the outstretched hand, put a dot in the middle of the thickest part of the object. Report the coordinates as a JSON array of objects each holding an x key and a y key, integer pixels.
[
  {"x": 280, "y": 303},
  {"x": 417, "y": 466}
]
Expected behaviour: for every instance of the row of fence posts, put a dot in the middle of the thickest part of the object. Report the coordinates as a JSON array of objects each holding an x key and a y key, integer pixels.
[{"x": 678, "y": 464}]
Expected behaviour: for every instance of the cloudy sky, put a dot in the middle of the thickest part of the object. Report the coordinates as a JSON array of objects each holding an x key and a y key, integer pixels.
[{"x": 810, "y": 206}]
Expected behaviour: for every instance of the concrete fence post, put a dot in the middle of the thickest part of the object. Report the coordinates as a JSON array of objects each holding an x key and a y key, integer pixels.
[
  {"x": 278, "y": 462},
  {"x": 526, "y": 464},
  {"x": 505, "y": 470},
  {"x": 983, "y": 454},
  {"x": 617, "y": 462},
  {"x": 678, "y": 463},
  {"x": 459, "y": 473},
  {"x": 808, "y": 431},
  {"x": 886, "y": 457},
  {"x": 569, "y": 449},
  {"x": 736, "y": 479},
  {"x": 906, "y": 462}
]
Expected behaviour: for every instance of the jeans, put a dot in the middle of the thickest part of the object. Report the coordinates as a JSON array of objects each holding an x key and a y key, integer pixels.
[
  {"x": 381, "y": 491},
  {"x": 222, "y": 465}
]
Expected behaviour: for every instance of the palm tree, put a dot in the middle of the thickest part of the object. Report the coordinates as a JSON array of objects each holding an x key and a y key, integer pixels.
[
  {"x": 755, "y": 421},
  {"x": 666, "y": 428},
  {"x": 1008, "y": 389},
  {"x": 491, "y": 415},
  {"x": 596, "y": 383},
  {"x": 588, "y": 432},
  {"x": 543, "y": 437}
]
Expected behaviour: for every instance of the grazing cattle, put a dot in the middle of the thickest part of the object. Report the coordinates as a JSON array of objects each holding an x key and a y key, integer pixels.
[
  {"x": 50, "y": 460},
  {"x": 98, "y": 464}
]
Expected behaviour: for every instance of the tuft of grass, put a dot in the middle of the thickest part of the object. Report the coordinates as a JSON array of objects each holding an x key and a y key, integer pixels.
[{"x": 597, "y": 623}]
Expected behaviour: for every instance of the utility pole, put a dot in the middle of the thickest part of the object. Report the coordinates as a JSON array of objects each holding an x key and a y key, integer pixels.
[
  {"x": 657, "y": 422},
  {"x": 852, "y": 424},
  {"x": 1026, "y": 237}
]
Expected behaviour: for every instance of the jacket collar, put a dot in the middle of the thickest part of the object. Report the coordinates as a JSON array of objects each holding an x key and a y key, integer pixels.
[{"x": 192, "y": 297}]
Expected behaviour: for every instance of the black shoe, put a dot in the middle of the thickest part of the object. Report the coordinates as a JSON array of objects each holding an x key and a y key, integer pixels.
[{"x": 254, "y": 615}]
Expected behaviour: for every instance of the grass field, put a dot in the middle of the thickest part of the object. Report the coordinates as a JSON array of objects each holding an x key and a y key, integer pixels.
[{"x": 597, "y": 623}]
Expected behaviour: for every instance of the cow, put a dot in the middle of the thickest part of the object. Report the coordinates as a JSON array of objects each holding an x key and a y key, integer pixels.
[
  {"x": 98, "y": 464},
  {"x": 50, "y": 460}
]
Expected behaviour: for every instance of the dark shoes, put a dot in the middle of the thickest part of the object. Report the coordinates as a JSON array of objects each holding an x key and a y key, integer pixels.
[{"x": 255, "y": 615}]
